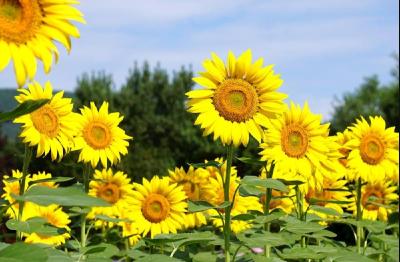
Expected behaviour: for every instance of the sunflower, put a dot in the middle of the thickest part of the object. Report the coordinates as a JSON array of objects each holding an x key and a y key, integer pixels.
[
  {"x": 279, "y": 200},
  {"x": 158, "y": 206},
  {"x": 27, "y": 31},
  {"x": 115, "y": 188},
  {"x": 242, "y": 205},
  {"x": 12, "y": 186},
  {"x": 297, "y": 142},
  {"x": 100, "y": 138},
  {"x": 236, "y": 99},
  {"x": 196, "y": 186},
  {"x": 374, "y": 149},
  {"x": 53, "y": 215},
  {"x": 129, "y": 228},
  {"x": 215, "y": 171},
  {"x": 40, "y": 179},
  {"x": 50, "y": 127},
  {"x": 376, "y": 195},
  {"x": 331, "y": 191}
]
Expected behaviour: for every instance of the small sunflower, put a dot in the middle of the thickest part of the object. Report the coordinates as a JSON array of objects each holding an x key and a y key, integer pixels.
[
  {"x": 196, "y": 186},
  {"x": 236, "y": 99},
  {"x": 100, "y": 138},
  {"x": 241, "y": 205},
  {"x": 54, "y": 215},
  {"x": 376, "y": 195},
  {"x": 50, "y": 127},
  {"x": 158, "y": 206},
  {"x": 115, "y": 188},
  {"x": 28, "y": 29},
  {"x": 297, "y": 142},
  {"x": 12, "y": 186},
  {"x": 374, "y": 150},
  {"x": 130, "y": 229},
  {"x": 279, "y": 200}
]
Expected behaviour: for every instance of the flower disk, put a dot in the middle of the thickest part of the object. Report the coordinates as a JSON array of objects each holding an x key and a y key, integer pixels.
[
  {"x": 374, "y": 150},
  {"x": 158, "y": 206},
  {"x": 99, "y": 137},
  {"x": 237, "y": 99},
  {"x": 27, "y": 31},
  {"x": 50, "y": 127}
]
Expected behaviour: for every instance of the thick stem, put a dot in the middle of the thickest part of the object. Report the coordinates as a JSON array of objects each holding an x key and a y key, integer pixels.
[
  {"x": 300, "y": 212},
  {"x": 227, "y": 225},
  {"x": 86, "y": 172},
  {"x": 22, "y": 184},
  {"x": 268, "y": 197},
  {"x": 359, "y": 215}
]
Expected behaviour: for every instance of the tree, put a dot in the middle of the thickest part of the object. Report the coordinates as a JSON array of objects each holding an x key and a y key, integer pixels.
[{"x": 370, "y": 99}]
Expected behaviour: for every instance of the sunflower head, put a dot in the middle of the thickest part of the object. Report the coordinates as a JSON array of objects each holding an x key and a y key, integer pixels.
[
  {"x": 158, "y": 206},
  {"x": 12, "y": 187},
  {"x": 50, "y": 127},
  {"x": 99, "y": 137},
  {"x": 27, "y": 31},
  {"x": 374, "y": 151},
  {"x": 237, "y": 98}
]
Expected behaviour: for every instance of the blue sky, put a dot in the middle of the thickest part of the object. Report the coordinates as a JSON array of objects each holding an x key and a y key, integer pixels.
[{"x": 320, "y": 48}]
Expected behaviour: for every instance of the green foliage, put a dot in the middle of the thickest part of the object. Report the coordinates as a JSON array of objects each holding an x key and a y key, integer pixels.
[
  {"x": 370, "y": 99},
  {"x": 22, "y": 109}
]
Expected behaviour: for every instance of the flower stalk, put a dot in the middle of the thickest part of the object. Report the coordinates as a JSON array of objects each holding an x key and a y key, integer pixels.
[
  {"x": 359, "y": 215},
  {"x": 22, "y": 183},
  {"x": 268, "y": 197},
  {"x": 86, "y": 172},
  {"x": 227, "y": 182}
]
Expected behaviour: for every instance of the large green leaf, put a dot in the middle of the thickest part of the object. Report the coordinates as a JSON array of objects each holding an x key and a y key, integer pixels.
[
  {"x": 34, "y": 225},
  {"x": 22, "y": 252},
  {"x": 198, "y": 206},
  {"x": 23, "y": 109},
  {"x": 57, "y": 255},
  {"x": 64, "y": 196},
  {"x": 52, "y": 179},
  {"x": 299, "y": 227},
  {"x": 298, "y": 253},
  {"x": 103, "y": 250},
  {"x": 262, "y": 239},
  {"x": 264, "y": 183},
  {"x": 204, "y": 165},
  {"x": 325, "y": 210}
]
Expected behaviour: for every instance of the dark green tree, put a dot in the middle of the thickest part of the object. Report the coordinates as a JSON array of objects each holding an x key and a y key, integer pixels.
[{"x": 370, "y": 99}]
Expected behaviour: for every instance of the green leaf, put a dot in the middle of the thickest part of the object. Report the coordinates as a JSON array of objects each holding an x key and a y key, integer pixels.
[
  {"x": 158, "y": 258},
  {"x": 325, "y": 210},
  {"x": 262, "y": 239},
  {"x": 34, "y": 225},
  {"x": 339, "y": 202},
  {"x": 111, "y": 219},
  {"x": 198, "y": 206},
  {"x": 204, "y": 165},
  {"x": 104, "y": 250},
  {"x": 58, "y": 255},
  {"x": 390, "y": 240},
  {"x": 291, "y": 182},
  {"x": 25, "y": 108},
  {"x": 298, "y": 253},
  {"x": 244, "y": 217},
  {"x": 271, "y": 217},
  {"x": 299, "y": 227},
  {"x": 164, "y": 238},
  {"x": 64, "y": 196},
  {"x": 251, "y": 161},
  {"x": 323, "y": 233},
  {"x": 345, "y": 256},
  {"x": 204, "y": 257},
  {"x": 264, "y": 183},
  {"x": 22, "y": 252},
  {"x": 52, "y": 179},
  {"x": 194, "y": 238},
  {"x": 92, "y": 250}
]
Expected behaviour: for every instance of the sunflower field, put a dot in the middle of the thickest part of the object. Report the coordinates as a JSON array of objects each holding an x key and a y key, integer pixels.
[{"x": 307, "y": 183}]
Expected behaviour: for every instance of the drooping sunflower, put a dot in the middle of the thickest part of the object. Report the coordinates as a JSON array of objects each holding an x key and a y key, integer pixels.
[
  {"x": 297, "y": 142},
  {"x": 54, "y": 215},
  {"x": 236, "y": 99},
  {"x": 374, "y": 150},
  {"x": 279, "y": 200},
  {"x": 376, "y": 196},
  {"x": 196, "y": 186},
  {"x": 12, "y": 186},
  {"x": 241, "y": 205},
  {"x": 51, "y": 127},
  {"x": 115, "y": 188},
  {"x": 158, "y": 206},
  {"x": 99, "y": 137},
  {"x": 28, "y": 29}
]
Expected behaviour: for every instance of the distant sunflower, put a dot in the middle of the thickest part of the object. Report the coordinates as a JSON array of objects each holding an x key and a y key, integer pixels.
[
  {"x": 115, "y": 188},
  {"x": 50, "y": 127},
  {"x": 54, "y": 215},
  {"x": 241, "y": 205},
  {"x": 236, "y": 99},
  {"x": 99, "y": 137},
  {"x": 27, "y": 31},
  {"x": 12, "y": 186},
  {"x": 297, "y": 142},
  {"x": 158, "y": 206},
  {"x": 196, "y": 186},
  {"x": 376, "y": 195},
  {"x": 374, "y": 149}
]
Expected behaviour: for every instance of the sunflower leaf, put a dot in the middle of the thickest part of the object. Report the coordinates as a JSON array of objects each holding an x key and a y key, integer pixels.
[
  {"x": 25, "y": 108},
  {"x": 204, "y": 165},
  {"x": 264, "y": 183},
  {"x": 199, "y": 206}
]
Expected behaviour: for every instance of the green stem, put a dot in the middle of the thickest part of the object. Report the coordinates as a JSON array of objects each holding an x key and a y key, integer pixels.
[
  {"x": 268, "y": 197},
  {"x": 86, "y": 173},
  {"x": 127, "y": 248},
  {"x": 300, "y": 212},
  {"x": 227, "y": 225},
  {"x": 22, "y": 183},
  {"x": 359, "y": 215}
]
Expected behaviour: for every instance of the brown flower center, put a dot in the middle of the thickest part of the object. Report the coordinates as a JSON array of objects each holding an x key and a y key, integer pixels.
[
  {"x": 236, "y": 100},
  {"x": 294, "y": 141},
  {"x": 372, "y": 149},
  {"x": 45, "y": 120},
  {"x": 155, "y": 208},
  {"x": 97, "y": 135},
  {"x": 109, "y": 192},
  {"x": 19, "y": 20}
]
